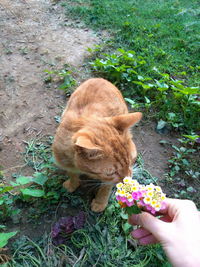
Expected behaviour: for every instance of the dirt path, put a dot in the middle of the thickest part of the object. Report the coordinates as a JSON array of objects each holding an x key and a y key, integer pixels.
[{"x": 33, "y": 38}]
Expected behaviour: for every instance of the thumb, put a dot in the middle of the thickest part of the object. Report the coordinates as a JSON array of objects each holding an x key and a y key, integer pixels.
[{"x": 149, "y": 222}]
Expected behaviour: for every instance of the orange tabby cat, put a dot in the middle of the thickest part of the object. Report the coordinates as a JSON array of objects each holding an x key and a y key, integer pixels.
[{"x": 94, "y": 138}]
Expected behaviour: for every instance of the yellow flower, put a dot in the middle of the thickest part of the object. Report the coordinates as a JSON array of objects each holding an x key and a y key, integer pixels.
[
  {"x": 134, "y": 188},
  {"x": 147, "y": 200},
  {"x": 150, "y": 187},
  {"x": 127, "y": 180},
  {"x": 118, "y": 192},
  {"x": 122, "y": 193},
  {"x": 158, "y": 188},
  {"x": 119, "y": 185},
  {"x": 149, "y": 193},
  {"x": 154, "y": 203},
  {"x": 157, "y": 207},
  {"x": 134, "y": 182},
  {"x": 163, "y": 197}
]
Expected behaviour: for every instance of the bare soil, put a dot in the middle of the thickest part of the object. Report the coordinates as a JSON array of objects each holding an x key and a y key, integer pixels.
[
  {"x": 33, "y": 38},
  {"x": 35, "y": 35}
]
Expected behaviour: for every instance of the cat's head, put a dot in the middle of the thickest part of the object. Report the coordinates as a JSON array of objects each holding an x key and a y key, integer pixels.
[{"x": 104, "y": 149}]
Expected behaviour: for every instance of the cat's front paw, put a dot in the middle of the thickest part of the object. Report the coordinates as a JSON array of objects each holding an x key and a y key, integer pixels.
[
  {"x": 98, "y": 207},
  {"x": 69, "y": 186}
]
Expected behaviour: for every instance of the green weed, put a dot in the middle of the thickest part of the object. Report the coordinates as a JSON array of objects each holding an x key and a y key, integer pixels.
[
  {"x": 102, "y": 241},
  {"x": 4, "y": 237},
  {"x": 63, "y": 77},
  {"x": 183, "y": 176},
  {"x": 165, "y": 32},
  {"x": 159, "y": 62},
  {"x": 85, "y": 248},
  {"x": 174, "y": 102}
]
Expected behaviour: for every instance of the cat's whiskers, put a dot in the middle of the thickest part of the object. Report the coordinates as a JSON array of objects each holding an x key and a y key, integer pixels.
[
  {"x": 90, "y": 180},
  {"x": 108, "y": 183},
  {"x": 88, "y": 183},
  {"x": 96, "y": 183}
]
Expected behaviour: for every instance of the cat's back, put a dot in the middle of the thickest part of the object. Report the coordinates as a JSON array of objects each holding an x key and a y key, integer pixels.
[{"x": 97, "y": 95}]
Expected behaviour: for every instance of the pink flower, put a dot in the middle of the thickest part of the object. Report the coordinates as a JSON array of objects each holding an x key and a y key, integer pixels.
[
  {"x": 137, "y": 195},
  {"x": 129, "y": 204},
  {"x": 145, "y": 197}
]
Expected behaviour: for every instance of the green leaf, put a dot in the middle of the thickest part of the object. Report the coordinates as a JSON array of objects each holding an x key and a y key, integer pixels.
[
  {"x": 4, "y": 237},
  {"x": 139, "y": 83},
  {"x": 130, "y": 101},
  {"x": 164, "y": 142},
  {"x": 133, "y": 210},
  {"x": 24, "y": 180},
  {"x": 126, "y": 227},
  {"x": 171, "y": 115},
  {"x": 147, "y": 100},
  {"x": 162, "y": 86},
  {"x": 161, "y": 124},
  {"x": 191, "y": 189},
  {"x": 14, "y": 184},
  {"x": 33, "y": 192},
  {"x": 40, "y": 178},
  {"x": 191, "y": 137},
  {"x": 124, "y": 215},
  {"x": 177, "y": 168},
  {"x": 185, "y": 162},
  {"x": 5, "y": 189},
  {"x": 141, "y": 78},
  {"x": 146, "y": 86},
  {"x": 187, "y": 90}
]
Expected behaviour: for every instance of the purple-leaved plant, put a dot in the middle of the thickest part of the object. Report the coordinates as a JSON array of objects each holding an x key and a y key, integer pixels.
[{"x": 65, "y": 226}]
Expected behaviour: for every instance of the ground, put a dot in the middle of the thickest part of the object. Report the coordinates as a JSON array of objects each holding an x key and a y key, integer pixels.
[
  {"x": 37, "y": 36},
  {"x": 33, "y": 38}
]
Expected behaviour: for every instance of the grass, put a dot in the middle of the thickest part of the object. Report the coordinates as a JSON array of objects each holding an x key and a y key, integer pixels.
[
  {"x": 85, "y": 248},
  {"x": 152, "y": 55},
  {"x": 182, "y": 179},
  {"x": 167, "y": 32},
  {"x": 102, "y": 241}
]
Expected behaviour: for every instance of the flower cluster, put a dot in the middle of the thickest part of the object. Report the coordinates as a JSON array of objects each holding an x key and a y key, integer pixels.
[{"x": 144, "y": 197}]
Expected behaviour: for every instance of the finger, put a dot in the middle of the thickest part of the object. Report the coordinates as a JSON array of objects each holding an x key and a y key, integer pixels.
[
  {"x": 166, "y": 218},
  {"x": 183, "y": 205},
  {"x": 147, "y": 240},
  {"x": 139, "y": 233},
  {"x": 142, "y": 232},
  {"x": 152, "y": 224},
  {"x": 133, "y": 219}
]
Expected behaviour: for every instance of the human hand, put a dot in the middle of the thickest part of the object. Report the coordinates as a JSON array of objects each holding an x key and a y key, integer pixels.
[{"x": 177, "y": 229}]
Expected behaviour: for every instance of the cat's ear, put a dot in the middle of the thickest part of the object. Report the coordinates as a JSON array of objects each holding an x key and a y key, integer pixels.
[
  {"x": 84, "y": 146},
  {"x": 123, "y": 122}
]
